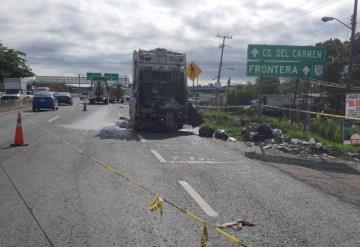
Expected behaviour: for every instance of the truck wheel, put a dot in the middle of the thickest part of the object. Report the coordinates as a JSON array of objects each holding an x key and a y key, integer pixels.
[
  {"x": 91, "y": 101},
  {"x": 34, "y": 109},
  {"x": 106, "y": 102},
  {"x": 136, "y": 125}
]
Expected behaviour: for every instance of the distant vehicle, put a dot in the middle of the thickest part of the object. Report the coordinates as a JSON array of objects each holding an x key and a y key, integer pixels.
[
  {"x": 13, "y": 94},
  {"x": 18, "y": 83},
  {"x": 29, "y": 94},
  {"x": 42, "y": 89},
  {"x": 45, "y": 100},
  {"x": 84, "y": 96},
  {"x": 160, "y": 100},
  {"x": 2, "y": 94},
  {"x": 99, "y": 91},
  {"x": 64, "y": 98}
]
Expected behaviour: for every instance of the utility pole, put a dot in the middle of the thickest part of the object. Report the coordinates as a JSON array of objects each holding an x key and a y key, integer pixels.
[
  {"x": 218, "y": 86},
  {"x": 228, "y": 91},
  {"x": 352, "y": 41},
  {"x": 79, "y": 83}
]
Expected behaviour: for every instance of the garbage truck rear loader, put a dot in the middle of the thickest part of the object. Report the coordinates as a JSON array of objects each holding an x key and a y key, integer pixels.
[{"x": 160, "y": 100}]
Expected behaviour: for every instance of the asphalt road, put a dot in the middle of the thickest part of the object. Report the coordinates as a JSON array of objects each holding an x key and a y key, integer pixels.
[{"x": 52, "y": 195}]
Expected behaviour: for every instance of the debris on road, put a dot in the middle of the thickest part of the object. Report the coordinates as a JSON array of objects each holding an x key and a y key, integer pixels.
[
  {"x": 124, "y": 124},
  {"x": 221, "y": 134},
  {"x": 259, "y": 132},
  {"x": 206, "y": 132},
  {"x": 232, "y": 139},
  {"x": 236, "y": 225}
]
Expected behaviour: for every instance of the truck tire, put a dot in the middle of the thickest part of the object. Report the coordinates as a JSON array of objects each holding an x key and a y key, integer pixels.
[
  {"x": 136, "y": 125},
  {"x": 91, "y": 101}
]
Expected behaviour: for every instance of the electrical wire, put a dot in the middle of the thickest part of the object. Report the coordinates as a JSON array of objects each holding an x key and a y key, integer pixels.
[{"x": 307, "y": 11}]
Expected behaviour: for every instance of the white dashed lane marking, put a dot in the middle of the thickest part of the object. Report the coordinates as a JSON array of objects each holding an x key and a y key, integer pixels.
[
  {"x": 202, "y": 203},
  {"x": 54, "y": 118},
  {"x": 142, "y": 139},
  {"x": 158, "y": 156}
]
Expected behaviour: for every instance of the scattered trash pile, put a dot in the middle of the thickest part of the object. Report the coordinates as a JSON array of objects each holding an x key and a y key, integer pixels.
[{"x": 273, "y": 139}]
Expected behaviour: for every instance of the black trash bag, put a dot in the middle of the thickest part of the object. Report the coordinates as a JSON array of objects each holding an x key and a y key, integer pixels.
[
  {"x": 206, "y": 132},
  {"x": 221, "y": 134},
  {"x": 259, "y": 133},
  {"x": 265, "y": 131}
]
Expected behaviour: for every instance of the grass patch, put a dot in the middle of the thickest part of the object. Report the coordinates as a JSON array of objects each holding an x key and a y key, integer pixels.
[{"x": 326, "y": 131}]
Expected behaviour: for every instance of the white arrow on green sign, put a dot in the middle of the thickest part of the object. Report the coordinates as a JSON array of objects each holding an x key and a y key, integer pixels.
[
  {"x": 286, "y": 53},
  {"x": 282, "y": 69}
]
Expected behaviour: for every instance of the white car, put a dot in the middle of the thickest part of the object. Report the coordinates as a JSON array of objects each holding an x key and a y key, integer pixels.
[
  {"x": 13, "y": 94},
  {"x": 84, "y": 96}
]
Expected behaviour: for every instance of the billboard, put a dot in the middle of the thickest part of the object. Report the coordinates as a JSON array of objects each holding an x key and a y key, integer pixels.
[{"x": 352, "y": 128}]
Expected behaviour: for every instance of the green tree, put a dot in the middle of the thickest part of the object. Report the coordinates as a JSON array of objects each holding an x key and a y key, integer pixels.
[
  {"x": 337, "y": 56},
  {"x": 242, "y": 94},
  {"x": 13, "y": 63},
  {"x": 267, "y": 85}
]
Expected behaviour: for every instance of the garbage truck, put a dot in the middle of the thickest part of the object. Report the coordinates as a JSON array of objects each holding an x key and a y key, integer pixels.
[
  {"x": 99, "y": 92},
  {"x": 159, "y": 98}
]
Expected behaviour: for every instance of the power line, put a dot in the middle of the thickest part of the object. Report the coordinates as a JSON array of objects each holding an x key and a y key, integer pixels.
[{"x": 307, "y": 11}]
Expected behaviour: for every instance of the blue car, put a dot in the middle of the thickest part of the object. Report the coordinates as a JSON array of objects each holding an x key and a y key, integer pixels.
[{"x": 45, "y": 100}]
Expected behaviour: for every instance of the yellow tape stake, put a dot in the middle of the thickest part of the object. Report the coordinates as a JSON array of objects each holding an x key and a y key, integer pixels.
[
  {"x": 204, "y": 237},
  {"x": 157, "y": 203}
]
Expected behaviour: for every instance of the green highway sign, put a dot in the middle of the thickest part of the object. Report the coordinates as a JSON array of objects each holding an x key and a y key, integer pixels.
[
  {"x": 286, "y": 53},
  {"x": 90, "y": 75},
  {"x": 111, "y": 76},
  {"x": 285, "y": 69}
]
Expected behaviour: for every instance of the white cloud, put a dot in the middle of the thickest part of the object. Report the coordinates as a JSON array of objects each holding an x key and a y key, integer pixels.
[{"x": 70, "y": 37}]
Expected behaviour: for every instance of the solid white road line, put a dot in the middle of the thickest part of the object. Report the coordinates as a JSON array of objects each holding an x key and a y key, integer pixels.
[
  {"x": 202, "y": 203},
  {"x": 142, "y": 139},
  {"x": 158, "y": 156},
  {"x": 53, "y": 118},
  {"x": 203, "y": 162}
]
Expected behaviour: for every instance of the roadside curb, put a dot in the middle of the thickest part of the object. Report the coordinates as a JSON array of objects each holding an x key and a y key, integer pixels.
[
  {"x": 325, "y": 165},
  {"x": 14, "y": 110}
]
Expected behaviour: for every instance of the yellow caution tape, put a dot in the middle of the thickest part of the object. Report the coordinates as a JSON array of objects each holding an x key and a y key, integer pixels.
[
  {"x": 204, "y": 237},
  {"x": 281, "y": 108},
  {"x": 157, "y": 203},
  {"x": 231, "y": 237},
  {"x": 313, "y": 113}
]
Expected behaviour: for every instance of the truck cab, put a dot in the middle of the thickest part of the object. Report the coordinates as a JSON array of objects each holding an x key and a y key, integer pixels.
[{"x": 99, "y": 92}]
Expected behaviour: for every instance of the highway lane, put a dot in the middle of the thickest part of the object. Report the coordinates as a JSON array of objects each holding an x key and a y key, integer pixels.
[{"x": 79, "y": 203}]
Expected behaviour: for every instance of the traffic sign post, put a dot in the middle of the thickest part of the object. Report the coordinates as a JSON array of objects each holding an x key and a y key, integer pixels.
[
  {"x": 90, "y": 75},
  {"x": 285, "y": 69},
  {"x": 193, "y": 71},
  {"x": 285, "y": 61},
  {"x": 111, "y": 76},
  {"x": 286, "y": 53}
]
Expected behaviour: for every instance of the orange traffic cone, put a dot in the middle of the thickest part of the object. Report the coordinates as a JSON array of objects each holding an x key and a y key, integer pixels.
[{"x": 19, "y": 136}]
